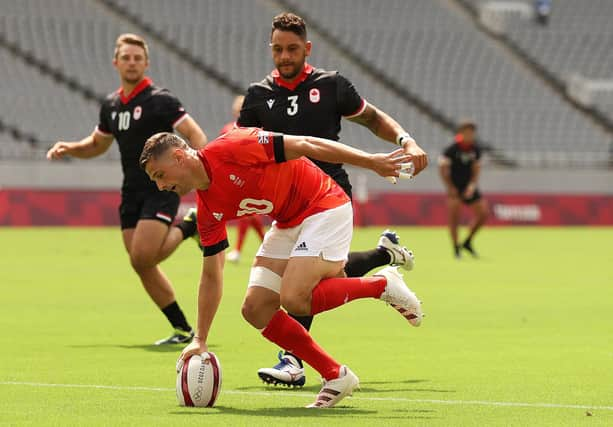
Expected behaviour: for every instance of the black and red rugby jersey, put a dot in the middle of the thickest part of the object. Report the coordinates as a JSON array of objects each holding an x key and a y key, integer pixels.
[
  {"x": 312, "y": 105},
  {"x": 132, "y": 120}
]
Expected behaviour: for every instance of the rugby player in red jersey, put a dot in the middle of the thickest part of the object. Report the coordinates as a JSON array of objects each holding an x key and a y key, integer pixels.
[{"x": 299, "y": 266}]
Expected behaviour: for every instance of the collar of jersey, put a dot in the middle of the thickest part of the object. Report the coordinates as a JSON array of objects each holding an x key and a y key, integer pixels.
[
  {"x": 306, "y": 70},
  {"x": 138, "y": 89}
]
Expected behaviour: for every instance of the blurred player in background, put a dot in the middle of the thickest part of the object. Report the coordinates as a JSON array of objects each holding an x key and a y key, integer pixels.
[
  {"x": 299, "y": 265},
  {"x": 244, "y": 223},
  {"x": 459, "y": 167},
  {"x": 137, "y": 110},
  {"x": 296, "y": 98}
]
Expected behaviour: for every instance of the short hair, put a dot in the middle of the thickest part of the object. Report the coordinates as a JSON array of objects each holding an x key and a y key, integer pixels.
[
  {"x": 158, "y": 144},
  {"x": 466, "y": 124},
  {"x": 288, "y": 21},
  {"x": 133, "y": 39}
]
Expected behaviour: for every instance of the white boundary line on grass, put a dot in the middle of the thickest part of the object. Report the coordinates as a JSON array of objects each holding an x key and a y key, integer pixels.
[{"x": 300, "y": 394}]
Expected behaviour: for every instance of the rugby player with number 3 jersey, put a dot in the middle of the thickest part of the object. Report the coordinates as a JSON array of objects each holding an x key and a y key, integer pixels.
[{"x": 299, "y": 99}]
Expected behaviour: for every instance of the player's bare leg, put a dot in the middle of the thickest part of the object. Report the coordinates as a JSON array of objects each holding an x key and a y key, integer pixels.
[
  {"x": 311, "y": 285},
  {"x": 481, "y": 211},
  {"x": 261, "y": 309},
  {"x": 301, "y": 276},
  {"x": 453, "y": 206},
  {"x": 143, "y": 244}
]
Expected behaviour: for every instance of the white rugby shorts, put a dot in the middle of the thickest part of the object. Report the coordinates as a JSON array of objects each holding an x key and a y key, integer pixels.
[{"x": 326, "y": 233}]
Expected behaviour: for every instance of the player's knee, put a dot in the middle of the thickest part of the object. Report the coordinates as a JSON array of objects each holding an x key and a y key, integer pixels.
[
  {"x": 296, "y": 303},
  {"x": 256, "y": 313},
  {"x": 141, "y": 261},
  {"x": 249, "y": 311}
]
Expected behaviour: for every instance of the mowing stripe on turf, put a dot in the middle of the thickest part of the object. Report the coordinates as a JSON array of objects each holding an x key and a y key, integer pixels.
[{"x": 300, "y": 394}]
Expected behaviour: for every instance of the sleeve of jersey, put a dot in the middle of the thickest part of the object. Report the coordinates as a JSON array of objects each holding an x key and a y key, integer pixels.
[
  {"x": 477, "y": 152},
  {"x": 213, "y": 237},
  {"x": 254, "y": 146},
  {"x": 172, "y": 109},
  {"x": 350, "y": 103},
  {"x": 248, "y": 116},
  {"x": 103, "y": 124}
]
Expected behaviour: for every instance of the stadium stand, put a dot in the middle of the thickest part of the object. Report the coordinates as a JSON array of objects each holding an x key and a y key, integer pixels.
[
  {"x": 575, "y": 42},
  {"x": 239, "y": 48},
  {"x": 77, "y": 39},
  {"x": 429, "y": 47},
  {"x": 437, "y": 52}
]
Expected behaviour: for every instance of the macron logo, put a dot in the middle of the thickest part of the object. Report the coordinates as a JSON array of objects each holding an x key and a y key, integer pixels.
[
  {"x": 301, "y": 247},
  {"x": 270, "y": 103}
]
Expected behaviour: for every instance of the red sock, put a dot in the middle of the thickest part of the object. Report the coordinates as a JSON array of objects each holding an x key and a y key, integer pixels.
[
  {"x": 256, "y": 223},
  {"x": 291, "y": 336},
  {"x": 243, "y": 226},
  {"x": 330, "y": 293}
]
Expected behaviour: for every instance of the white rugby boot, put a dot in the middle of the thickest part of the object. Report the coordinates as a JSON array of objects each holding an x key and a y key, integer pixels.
[
  {"x": 399, "y": 296},
  {"x": 400, "y": 255},
  {"x": 333, "y": 391}
]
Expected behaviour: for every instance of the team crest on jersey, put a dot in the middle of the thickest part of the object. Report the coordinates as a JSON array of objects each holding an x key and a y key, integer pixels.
[
  {"x": 270, "y": 103},
  {"x": 314, "y": 95},
  {"x": 137, "y": 112},
  {"x": 113, "y": 115},
  {"x": 263, "y": 137}
]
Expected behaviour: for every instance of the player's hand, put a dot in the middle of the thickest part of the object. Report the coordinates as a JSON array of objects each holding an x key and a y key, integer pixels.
[
  {"x": 389, "y": 165},
  {"x": 469, "y": 191},
  {"x": 196, "y": 347},
  {"x": 58, "y": 150},
  {"x": 418, "y": 156}
]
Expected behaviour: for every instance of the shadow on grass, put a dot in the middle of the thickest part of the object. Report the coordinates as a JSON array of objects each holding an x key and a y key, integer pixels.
[
  {"x": 173, "y": 348},
  {"x": 337, "y": 411},
  {"x": 365, "y": 386}
]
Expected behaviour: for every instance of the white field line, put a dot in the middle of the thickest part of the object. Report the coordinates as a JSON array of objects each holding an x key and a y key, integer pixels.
[{"x": 302, "y": 395}]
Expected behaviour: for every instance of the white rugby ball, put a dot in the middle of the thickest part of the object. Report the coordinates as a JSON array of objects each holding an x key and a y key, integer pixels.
[{"x": 199, "y": 380}]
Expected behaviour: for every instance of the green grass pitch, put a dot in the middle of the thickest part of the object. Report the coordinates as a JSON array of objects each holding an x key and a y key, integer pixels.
[{"x": 521, "y": 337}]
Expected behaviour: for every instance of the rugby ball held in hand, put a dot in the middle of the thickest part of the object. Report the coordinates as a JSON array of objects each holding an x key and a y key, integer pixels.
[{"x": 199, "y": 380}]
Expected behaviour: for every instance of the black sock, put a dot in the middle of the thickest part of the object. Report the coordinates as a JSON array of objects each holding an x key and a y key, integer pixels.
[
  {"x": 305, "y": 321},
  {"x": 188, "y": 228},
  {"x": 176, "y": 317},
  {"x": 360, "y": 263}
]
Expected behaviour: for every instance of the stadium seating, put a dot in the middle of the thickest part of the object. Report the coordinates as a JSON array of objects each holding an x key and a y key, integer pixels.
[
  {"x": 576, "y": 40},
  {"x": 436, "y": 51},
  {"x": 78, "y": 38},
  {"x": 239, "y": 48},
  {"x": 431, "y": 48}
]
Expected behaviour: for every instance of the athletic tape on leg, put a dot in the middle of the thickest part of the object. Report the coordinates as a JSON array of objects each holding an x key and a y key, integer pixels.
[{"x": 265, "y": 278}]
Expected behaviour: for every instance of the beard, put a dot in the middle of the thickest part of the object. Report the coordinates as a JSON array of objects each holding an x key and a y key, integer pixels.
[{"x": 293, "y": 72}]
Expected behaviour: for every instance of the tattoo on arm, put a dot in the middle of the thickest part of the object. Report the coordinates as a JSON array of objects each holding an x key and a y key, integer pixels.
[{"x": 370, "y": 119}]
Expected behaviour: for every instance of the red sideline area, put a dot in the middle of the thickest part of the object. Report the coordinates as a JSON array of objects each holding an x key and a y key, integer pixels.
[{"x": 97, "y": 208}]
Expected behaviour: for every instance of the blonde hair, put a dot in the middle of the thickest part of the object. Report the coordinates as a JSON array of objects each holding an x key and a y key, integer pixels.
[{"x": 133, "y": 39}]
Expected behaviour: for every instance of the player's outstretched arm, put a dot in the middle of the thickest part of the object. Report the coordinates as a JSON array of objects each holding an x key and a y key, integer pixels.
[
  {"x": 209, "y": 297},
  {"x": 388, "y": 129},
  {"x": 384, "y": 164},
  {"x": 194, "y": 134},
  {"x": 90, "y": 146}
]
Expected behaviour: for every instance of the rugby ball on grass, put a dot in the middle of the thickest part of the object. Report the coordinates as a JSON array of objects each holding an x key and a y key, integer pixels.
[{"x": 199, "y": 380}]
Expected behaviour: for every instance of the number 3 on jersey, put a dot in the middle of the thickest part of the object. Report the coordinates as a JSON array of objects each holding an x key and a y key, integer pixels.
[
  {"x": 123, "y": 120},
  {"x": 293, "y": 105}
]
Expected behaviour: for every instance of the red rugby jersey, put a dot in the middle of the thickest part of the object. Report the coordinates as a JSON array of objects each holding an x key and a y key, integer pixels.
[{"x": 249, "y": 175}]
